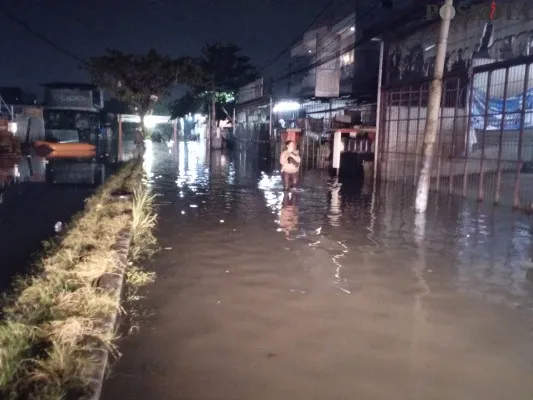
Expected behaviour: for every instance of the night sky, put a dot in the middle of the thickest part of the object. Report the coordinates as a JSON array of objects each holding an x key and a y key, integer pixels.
[{"x": 175, "y": 27}]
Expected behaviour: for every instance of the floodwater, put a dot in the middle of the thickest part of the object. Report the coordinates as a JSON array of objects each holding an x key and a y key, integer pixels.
[
  {"x": 35, "y": 194},
  {"x": 336, "y": 293}
]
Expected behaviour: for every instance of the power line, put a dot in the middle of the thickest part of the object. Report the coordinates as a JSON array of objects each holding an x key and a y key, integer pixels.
[
  {"x": 317, "y": 17},
  {"x": 317, "y": 62},
  {"x": 337, "y": 54},
  {"x": 50, "y": 42}
]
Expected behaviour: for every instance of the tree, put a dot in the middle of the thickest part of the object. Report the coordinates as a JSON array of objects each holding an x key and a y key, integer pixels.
[
  {"x": 138, "y": 80},
  {"x": 161, "y": 109},
  {"x": 220, "y": 71},
  {"x": 187, "y": 104},
  {"x": 200, "y": 103},
  {"x": 115, "y": 106}
]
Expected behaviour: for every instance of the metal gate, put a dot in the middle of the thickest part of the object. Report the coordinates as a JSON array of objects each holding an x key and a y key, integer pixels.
[
  {"x": 484, "y": 147},
  {"x": 252, "y": 123}
]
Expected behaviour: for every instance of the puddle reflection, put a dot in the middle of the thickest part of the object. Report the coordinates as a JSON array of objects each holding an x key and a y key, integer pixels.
[
  {"x": 421, "y": 301},
  {"x": 288, "y": 215},
  {"x": 36, "y": 192}
]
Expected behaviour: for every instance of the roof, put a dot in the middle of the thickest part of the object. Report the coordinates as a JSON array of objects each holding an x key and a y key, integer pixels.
[{"x": 70, "y": 85}]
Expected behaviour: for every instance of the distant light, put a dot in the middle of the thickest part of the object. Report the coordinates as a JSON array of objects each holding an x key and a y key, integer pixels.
[
  {"x": 12, "y": 127},
  {"x": 352, "y": 28},
  {"x": 429, "y": 47},
  {"x": 150, "y": 122},
  {"x": 309, "y": 51},
  {"x": 286, "y": 106}
]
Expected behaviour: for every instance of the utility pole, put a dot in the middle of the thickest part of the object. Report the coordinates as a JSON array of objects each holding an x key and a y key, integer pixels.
[
  {"x": 447, "y": 12},
  {"x": 378, "y": 112}
]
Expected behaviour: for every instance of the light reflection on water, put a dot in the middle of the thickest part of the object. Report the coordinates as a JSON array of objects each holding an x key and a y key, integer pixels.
[
  {"x": 343, "y": 277},
  {"x": 476, "y": 249},
  {"x": 35, "y": 194},
  {"x": 472, "y": 248},
  {"x": 148, "y": 160}
]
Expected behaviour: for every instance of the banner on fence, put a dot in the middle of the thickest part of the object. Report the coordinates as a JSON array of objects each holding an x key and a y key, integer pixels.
[{"x": 493, "y": 111}]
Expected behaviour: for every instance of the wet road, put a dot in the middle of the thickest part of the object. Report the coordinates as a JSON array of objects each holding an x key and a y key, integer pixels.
[{"x": 336, "y": 293}]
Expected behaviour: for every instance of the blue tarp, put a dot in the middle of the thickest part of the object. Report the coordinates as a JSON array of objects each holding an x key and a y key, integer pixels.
[{"x": 513, "y": 107}]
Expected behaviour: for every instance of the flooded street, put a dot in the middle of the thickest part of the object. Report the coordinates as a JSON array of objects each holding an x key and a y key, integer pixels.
[
  {"x": 334, "y": 293},
  {"x": 35, "y": 194}
]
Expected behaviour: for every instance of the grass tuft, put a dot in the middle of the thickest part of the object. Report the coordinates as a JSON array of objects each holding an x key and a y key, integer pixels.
[{"x": 56, "y": 316}]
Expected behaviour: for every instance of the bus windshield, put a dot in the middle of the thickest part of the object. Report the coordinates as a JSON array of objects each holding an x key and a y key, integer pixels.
[{"x": 86, "y": 123}]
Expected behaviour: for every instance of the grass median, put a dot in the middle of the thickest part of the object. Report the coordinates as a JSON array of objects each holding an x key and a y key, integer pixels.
[{"x": 53, "y": 319}]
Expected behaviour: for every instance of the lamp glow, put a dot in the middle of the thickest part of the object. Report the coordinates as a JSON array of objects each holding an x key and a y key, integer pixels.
[
  {"x": 286, "y": 106},
  {"x": 150, "y": 122},
  {"x": 12, "y": 127}
]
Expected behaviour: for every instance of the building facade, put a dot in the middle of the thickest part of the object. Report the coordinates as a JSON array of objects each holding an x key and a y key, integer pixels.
[
  {"x": 325, "y": 63},
  {"x": 21, "y": 108},
  {"x": 485, "y": 130}
]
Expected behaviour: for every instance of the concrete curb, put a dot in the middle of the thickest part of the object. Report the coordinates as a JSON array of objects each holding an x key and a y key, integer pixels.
[{"x": 112, "y": 282}]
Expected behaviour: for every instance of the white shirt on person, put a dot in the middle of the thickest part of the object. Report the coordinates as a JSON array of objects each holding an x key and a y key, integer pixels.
[{"x": 286, "y": 166}]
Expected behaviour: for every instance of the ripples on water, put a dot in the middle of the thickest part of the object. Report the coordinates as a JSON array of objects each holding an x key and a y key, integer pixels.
[
  {"x": 469, "y": 247},
  {"x": 348, "y": 292}
]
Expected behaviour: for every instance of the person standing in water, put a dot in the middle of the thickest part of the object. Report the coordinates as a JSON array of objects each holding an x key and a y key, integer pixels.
[
  {"x": 290, "y": 165},
  {"x": 139, "y": 142}
]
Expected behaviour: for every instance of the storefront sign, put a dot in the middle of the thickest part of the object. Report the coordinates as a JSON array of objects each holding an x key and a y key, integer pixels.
[{"x": 69, "y": 99}]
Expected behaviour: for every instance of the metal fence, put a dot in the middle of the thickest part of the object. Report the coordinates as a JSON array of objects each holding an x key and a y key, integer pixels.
[
  {"x": 252, "y": 123},
  {"x": 484, "y": 148},
  {"x": 315, "y": 118}
]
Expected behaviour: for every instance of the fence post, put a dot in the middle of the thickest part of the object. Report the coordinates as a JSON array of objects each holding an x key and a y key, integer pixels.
[
  {"x": 439, "y": 133},
  {"x": 452, "y": 151},
  {"x": 516, "y": 199},
  {"x": 408, "y": 128},
  {"x": 497, "y": 194},
  {"x": 481, "y": 189},
  {"x": 378, "y": 113},
  {"x": 417, "y": 153},
  {"x": 435, "y": 94},
  {"x": 469, "y": 116}
]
